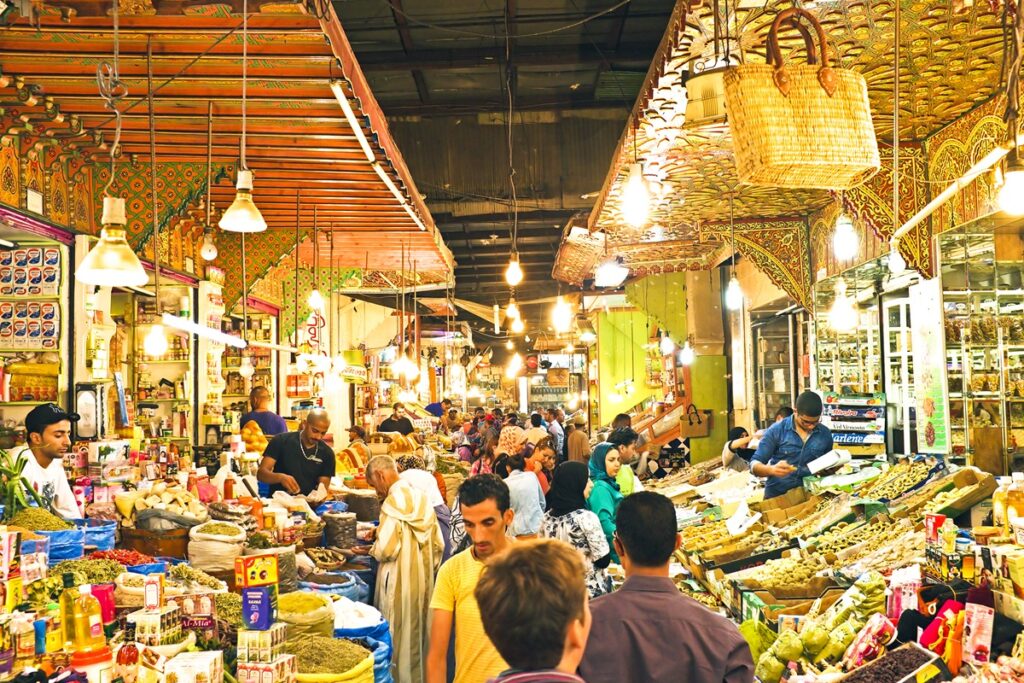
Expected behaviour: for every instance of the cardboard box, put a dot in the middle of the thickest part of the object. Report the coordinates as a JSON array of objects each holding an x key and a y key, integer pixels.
[
  {"x": 284, "y": 669},
  {"x": 195, "y": 667},
  {"x": 262, "y": 646},
  {"x": 259, "y": 607},
  {"x": 788, "y": 499},
  {"x": 969, "y": 476},
  {"x": 256, "y": 570}
]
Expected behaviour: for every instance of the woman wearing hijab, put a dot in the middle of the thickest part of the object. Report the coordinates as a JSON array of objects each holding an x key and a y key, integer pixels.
[
  {"x": 736, "y": 453},
  {"x": 568, "y": 519},
  {"x": 605, "y": 497},
  {"x": 512, "y": 440},
  {"x": 486, "y": 457}
]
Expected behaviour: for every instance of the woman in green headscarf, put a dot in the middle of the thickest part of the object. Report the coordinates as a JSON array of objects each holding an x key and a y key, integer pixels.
[{"x": 605, "y": 497}]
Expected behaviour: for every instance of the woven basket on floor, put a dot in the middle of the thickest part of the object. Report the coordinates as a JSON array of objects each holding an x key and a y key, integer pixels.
[{"x": 800, "y": 126}]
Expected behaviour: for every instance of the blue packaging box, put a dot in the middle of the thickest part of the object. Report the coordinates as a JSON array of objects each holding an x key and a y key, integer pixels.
[{"x": 259, "y": 607}]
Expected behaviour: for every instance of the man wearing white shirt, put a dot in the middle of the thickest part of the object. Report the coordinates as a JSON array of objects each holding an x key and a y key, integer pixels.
[{"x": 48, "y": 428}]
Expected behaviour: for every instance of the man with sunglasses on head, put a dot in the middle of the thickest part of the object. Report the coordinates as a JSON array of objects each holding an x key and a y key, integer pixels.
[{"x": 790, "y": 444}]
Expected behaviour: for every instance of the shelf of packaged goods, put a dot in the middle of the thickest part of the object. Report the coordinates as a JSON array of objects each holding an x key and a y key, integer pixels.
[
  {"x": 163, "y": 362},
  {"x": 24, "y": 403}
]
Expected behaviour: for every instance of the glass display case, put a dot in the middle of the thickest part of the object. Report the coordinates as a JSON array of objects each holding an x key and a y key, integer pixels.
[
  {"x": 983, "y": 301},
  {"x": 848, "y": 336},
  {"x": 899, "y": 373}
]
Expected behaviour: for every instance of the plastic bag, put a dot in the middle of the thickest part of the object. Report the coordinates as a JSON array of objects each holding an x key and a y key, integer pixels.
[
  {"x": 347, "y": 584},
  {"x": 331, "y": 506},
  {"x": 152, "y": 519},
  {"x": 295, "y": 504},
  {"x": 99, "y": 534},
  {"x": 67, "y": 544},
  {"x": 381, "y": 655},
  {"x": 317, "y": 622},
  {"x": 340, "y": 529},
  {"x": 215, "y": 552}
]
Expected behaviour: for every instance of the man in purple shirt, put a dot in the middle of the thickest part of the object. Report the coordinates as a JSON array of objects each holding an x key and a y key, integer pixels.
[{"x": 649, "y": 632}]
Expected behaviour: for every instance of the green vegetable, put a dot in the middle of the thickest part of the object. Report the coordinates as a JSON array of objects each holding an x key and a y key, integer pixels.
[
  {"x": 787, "y": 647},
  {"x": 15, "y": 490},
  {"x": 183, "y": 572},
  {"x": 814, "y": 638},
  {"x": 769, "y": 669},
  {"x": 758, "y": 636},
  {"x": 38, "y": 519},
  {"x": 229, "y": 608},
  {"x": 94, "y": 571},
  {"x": 323, "y": 655}
]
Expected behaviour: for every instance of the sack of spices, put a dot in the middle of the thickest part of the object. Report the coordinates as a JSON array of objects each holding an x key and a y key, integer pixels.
[
  {"x": 306, "y": 614},
  {"x": 214, "y": 546}
]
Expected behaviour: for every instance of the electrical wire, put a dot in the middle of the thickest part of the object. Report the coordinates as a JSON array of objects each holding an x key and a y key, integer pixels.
[
  {"x": 112, "y": 90},
  {"x": 494, "y": 36}
]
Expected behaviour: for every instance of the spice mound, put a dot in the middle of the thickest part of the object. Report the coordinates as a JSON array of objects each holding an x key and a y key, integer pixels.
[
  {"x": 892, "y": 667},
  {"x": 323, "y": 655},
  {"x": 37, "y": 519},
  {"x": 94, "y": 571}
]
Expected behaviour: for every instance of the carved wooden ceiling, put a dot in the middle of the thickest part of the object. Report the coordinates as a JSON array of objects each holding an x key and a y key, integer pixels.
[
  {"x": 950, "y": 63},
  {"x": 301, "y": 146}
]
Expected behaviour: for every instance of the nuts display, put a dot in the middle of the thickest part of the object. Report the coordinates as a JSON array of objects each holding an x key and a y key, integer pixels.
[{"x": 898, "y": 480}]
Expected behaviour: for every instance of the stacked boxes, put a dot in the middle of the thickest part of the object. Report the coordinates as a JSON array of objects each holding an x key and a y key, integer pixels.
[
  {"x": 195, "y": 667},
  {"x": 262, "y": 647},
  {"x": 198, "y": 613},
  {"x": 157, "y": 627},
  {"x": 284, "y": 669}
]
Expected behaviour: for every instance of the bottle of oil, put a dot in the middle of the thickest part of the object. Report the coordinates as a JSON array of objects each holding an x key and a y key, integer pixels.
[
  {"x": 67, "y": 612},
  {"x": 88, "y": 622}
]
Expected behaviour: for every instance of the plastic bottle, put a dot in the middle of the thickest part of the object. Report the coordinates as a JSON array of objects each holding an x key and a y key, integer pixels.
[
  {"x": 55, "y": 629},
  {"x": 67, "y": 612},
  {"x": 23, "y": 633},
  {"x": 999, "y": 499},
  {"x": 948, "y": 532},
  {"x": 88, "y": 621}
]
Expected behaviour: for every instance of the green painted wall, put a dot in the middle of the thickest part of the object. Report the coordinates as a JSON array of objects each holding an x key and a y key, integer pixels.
[
  {"x": 710, "y": 392},
  {"x": 621, "y": 356},
  {"x": 663, "y": 297}
]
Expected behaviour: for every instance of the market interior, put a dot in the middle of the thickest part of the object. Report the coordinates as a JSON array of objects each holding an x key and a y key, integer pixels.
[{"x": 416, "y": 342}]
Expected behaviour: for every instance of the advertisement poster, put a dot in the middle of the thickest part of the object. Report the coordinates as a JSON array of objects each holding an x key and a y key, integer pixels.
[{"x": 929, "y": 348}]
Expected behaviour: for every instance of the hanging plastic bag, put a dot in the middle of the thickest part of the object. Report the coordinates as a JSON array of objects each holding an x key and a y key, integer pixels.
[
  {"x": 152, "y": 519},
  {"x": 213, "y": 547}
]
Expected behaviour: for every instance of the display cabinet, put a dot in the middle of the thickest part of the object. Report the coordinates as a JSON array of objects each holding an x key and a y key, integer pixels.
[
  {"x": 899, "y": 373},
  {"x": 848, "y": 343},
  {"x": 780, "y": 341},
  {"x": 983, "y": 300}
]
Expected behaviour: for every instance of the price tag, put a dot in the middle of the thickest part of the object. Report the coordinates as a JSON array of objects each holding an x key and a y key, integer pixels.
[{"x": 741, "y": 520}]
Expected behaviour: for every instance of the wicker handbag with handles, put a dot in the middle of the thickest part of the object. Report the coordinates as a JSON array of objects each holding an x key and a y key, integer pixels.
[{"x": 800, "y": 125}]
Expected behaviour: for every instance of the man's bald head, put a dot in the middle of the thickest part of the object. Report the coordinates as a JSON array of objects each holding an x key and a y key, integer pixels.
[{"x": 318, "y": 422}]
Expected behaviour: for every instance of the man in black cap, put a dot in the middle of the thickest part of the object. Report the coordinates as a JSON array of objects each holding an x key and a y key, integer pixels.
[{"x": 48, "y": 428}]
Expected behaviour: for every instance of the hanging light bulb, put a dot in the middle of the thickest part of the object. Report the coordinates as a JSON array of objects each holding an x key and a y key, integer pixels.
[
  {"x": 733, "y": 294},
  {"x": 842, "y": 317},
  {"x": 209, "y": 249},
  {"x": 686, "y": 354},
  {"x": 514, "y": 272},
  {"x": 561, "y": 316},
  {"x": 316, "y": 300},
  {"x": 588, "y": 337},
  {"x": 517, "y": 326},
  {"x": 155, "y": 343},
  {"x": 1011, "y": 194},
  {"x": 897, "y": 264},
  {"x": 615, "y": 397},
  {"x": 243, "y": 215},
  {"x": 509, "y": 345},
  {"x": 112, "y": 262},
  {"x": 666, "y": 345},
  {"x": 845, "y": 241},
  {"x": 322, "y": 363},
  {"x": 513, "y": 310},
  {"x": 636, "y": 199},
  {"x": 246, "y": 368},
  {"x": 474, "y": 392}
]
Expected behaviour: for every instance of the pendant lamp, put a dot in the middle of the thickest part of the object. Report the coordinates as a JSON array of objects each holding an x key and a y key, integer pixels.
[{"x": 243, "y": 214}]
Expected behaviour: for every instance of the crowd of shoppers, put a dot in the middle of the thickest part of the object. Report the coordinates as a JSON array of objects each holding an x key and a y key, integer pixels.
[{"x": 510, "y": 584}]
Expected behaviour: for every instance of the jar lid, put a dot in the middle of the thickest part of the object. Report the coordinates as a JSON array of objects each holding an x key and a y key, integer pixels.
[{"x": 87, "y": 657}]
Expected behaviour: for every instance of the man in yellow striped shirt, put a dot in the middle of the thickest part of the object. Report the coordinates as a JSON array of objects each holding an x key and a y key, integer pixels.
[{"x": 487, "y": 513}]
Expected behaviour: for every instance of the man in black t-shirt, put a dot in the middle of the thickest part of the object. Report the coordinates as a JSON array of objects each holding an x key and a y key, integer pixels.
[
  {"x": 298, "y": 462},
  {"x": 398, "y": 422}
]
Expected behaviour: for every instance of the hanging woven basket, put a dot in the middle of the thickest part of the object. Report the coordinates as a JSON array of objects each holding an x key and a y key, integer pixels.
[{"x": 800, "y": 125}]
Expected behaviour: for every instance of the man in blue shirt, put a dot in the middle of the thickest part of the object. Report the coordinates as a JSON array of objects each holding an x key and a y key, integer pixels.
[
  {"x": 788, "y": 446},
  {"x": 439, "y": 409}
]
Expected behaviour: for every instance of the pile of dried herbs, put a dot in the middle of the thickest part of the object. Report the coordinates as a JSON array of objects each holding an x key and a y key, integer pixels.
[
  {"x": 323, "y": 655},
  {"x": 94, "y": 571},
  {"x": 38, "y": 519}
]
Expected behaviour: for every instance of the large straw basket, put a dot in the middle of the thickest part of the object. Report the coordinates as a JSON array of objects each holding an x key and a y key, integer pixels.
[{"x": 800, "y": 126}]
